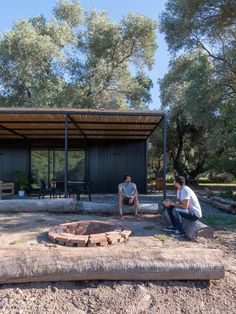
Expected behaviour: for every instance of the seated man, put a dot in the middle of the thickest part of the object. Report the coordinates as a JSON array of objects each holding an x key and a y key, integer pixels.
[
  {"x": 186, "y": 206},
  {"x": 128, "y": 194}
]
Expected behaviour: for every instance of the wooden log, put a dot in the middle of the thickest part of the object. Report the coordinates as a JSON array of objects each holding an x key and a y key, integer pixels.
[
  {"x": 226, "y": 207},
  {"x": 112, "y": 208},
  {"x": 192, "y": 229},
  {"x": 208, "y": 192},
  {"x": 43, "y": 264},
  {"x": 223, "y": 200},
  {"x": 205, "y": 199},
  {"x": 229, "y": 208},
  {"x": 38, "y": 205}
]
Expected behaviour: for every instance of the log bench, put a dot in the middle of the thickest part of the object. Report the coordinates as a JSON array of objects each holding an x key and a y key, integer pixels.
[
  {"x": 113, "y": 208},
  {"x": 60, "y": 205},
  {"x": 41, "y": 264},
  {"x": 69, "y": 205},
  {"x": 192, "y": 229}
]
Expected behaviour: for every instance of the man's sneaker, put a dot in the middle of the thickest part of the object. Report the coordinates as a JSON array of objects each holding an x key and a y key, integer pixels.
[
  {"x": 121, "y": 217},
  {"x": 178, "y": 234},
  {"x": 137, "y": 217},
  {"x": 170, "y": 229}
]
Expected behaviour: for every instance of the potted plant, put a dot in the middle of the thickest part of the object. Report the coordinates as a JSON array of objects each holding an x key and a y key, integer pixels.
[{"x": 22, "y": 182}]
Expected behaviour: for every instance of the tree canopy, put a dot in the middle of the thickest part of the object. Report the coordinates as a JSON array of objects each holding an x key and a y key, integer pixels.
[
  {"x": 198, "y": 92},
  {"x": 77, "y": 59}
]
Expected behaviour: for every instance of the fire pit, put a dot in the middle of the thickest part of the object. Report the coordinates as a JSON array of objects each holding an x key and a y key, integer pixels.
[{"x": 88, "y": 233}]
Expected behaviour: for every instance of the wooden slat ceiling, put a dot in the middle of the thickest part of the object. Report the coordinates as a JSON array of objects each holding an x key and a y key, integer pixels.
[{"x": 82, "y": 124}]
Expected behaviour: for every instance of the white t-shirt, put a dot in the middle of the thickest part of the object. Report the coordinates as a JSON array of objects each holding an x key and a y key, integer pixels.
[{"x": 185, "y": 193}]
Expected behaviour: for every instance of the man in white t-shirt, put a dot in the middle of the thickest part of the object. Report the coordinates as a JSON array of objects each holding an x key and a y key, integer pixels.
[
  {"x": 128, "y": 194},
  {"x": 186, "y": 206}
]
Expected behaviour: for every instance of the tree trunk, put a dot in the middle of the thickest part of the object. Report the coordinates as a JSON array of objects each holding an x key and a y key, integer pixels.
[
  {"x": 68, "y": 264},
  {"x": 113, "y": 208},
  {"x": 192, "y": 229},
  {"x": 223, "y": 200},
  {"x": 226, "y": 207},
  {"x": 42, "y": 205}
]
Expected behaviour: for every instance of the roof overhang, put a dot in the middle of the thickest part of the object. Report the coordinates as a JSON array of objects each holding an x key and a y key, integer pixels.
[{"x": 33, "y": 124}]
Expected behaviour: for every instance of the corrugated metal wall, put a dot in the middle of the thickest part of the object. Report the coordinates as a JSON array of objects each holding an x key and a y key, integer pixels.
[
  {"x": 12, "y": 158},
  {"x": 108, "y": 162}
]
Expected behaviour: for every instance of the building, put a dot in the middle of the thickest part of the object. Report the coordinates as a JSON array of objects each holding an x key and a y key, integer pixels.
[{"x": 98, "y": 146}]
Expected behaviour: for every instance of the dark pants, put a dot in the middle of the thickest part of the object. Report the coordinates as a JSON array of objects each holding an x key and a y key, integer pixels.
[{"x": 175, "y": 215}]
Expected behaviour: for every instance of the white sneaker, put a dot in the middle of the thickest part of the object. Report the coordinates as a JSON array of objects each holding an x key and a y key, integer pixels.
[
  {"x": 170, "y": 229},
  {"x": 178, "y": 234}
]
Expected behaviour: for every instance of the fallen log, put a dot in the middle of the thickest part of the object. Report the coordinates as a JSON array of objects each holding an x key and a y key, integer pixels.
[
  {"x": 44, "y": 264},
  {"x": 208, "y": 192},
  {"x": 219, "y": 205},
  {"x": 226, "y": 207},
  {"x": 38, "y": 205},
  {"x": 113, "y": 209},
  {"x": 223, "y": 200},
  {"x": 193, "y": 229},
  {"x": 205, "y": 199}
]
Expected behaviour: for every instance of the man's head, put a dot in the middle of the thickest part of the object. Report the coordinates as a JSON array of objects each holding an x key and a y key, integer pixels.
[
  {"x": 179, "y": 182},
  {"x": 127, "y": 178}
]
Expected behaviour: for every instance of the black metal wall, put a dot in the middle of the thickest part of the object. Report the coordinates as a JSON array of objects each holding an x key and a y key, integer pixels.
[
  {"x": 108, "y": 162},
  {"x": 13, "y": 156}
]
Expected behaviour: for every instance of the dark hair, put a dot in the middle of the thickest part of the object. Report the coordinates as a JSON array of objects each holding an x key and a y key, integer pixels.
[
  {"x": 127, "y": 175},
  {"x": 180, "y": 180}
]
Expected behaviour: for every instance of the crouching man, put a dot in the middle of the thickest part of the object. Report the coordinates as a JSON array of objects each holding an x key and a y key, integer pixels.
[{"x": 186, "y": 206}]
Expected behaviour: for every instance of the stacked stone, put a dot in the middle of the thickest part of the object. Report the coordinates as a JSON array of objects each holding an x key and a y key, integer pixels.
[{"x": 86, "y": 234}]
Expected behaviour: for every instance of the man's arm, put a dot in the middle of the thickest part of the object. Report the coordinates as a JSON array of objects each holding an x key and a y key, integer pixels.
[
  {"x": 120, "y": 192},
  {"x": 135, "y": 193},
  {"x": 183, "y": 204},
  {"x": 177, "y": 203}
]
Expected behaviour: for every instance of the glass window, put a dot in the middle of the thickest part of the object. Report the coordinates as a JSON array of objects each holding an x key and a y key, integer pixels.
[{"x": 49, "y": 165}]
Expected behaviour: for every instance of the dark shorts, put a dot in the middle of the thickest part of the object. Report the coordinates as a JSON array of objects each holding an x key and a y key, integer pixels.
[{"x": 126, "y": 201}]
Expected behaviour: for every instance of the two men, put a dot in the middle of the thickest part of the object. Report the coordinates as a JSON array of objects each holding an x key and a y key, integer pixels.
[
  {"x": 128, "y": 194},
  {"x": 186, "y": 206}
]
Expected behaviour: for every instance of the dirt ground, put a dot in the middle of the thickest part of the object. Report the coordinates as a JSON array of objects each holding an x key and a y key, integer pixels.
[{"x": 26, "y": 230}]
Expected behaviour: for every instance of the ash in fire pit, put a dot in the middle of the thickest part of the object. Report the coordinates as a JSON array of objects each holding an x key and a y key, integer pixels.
[{"x": 88, "y": 233}]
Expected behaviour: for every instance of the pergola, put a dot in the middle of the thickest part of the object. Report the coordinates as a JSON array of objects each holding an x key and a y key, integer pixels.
[{"x": 66, "y": 124}]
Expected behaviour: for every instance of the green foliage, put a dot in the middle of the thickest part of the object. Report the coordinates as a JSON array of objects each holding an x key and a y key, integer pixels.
[
  {"x": 78, "y": 60},
  {"x": 41, "y": 158},
  {"x": 40, "y": 220},
  {"x": 36, "y": 229},
  {"x": 9, "y": 226},
  {"x": 228, "y": 195},
  {"x": 71, "y": 12},
  {"x": 155, "y": 153},
  {"x": 149, "y": 227},
  {"x": 217, "y": 221},
  {"x": 22, "y": 180},
  {"x": 16, "y": 242},
  {"x": 208, "y": 26},
  {"x": 191, "y": 115},
  {"x": 199, "y": 90},
  {"x": 161, "y": 237}
]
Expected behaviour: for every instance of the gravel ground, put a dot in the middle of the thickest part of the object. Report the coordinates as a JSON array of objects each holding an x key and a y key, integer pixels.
[{"x": 121, "y": 296}]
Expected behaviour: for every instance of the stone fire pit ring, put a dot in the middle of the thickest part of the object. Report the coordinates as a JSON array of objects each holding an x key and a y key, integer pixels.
[{"x": 88, "y": 233}]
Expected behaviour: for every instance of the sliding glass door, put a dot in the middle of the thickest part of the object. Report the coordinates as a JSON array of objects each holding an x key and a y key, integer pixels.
[{"x": 48, "y": 165}]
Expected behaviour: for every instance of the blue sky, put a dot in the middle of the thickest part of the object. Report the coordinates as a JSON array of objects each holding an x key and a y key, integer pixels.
[{"x": 10, "y": 10}]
